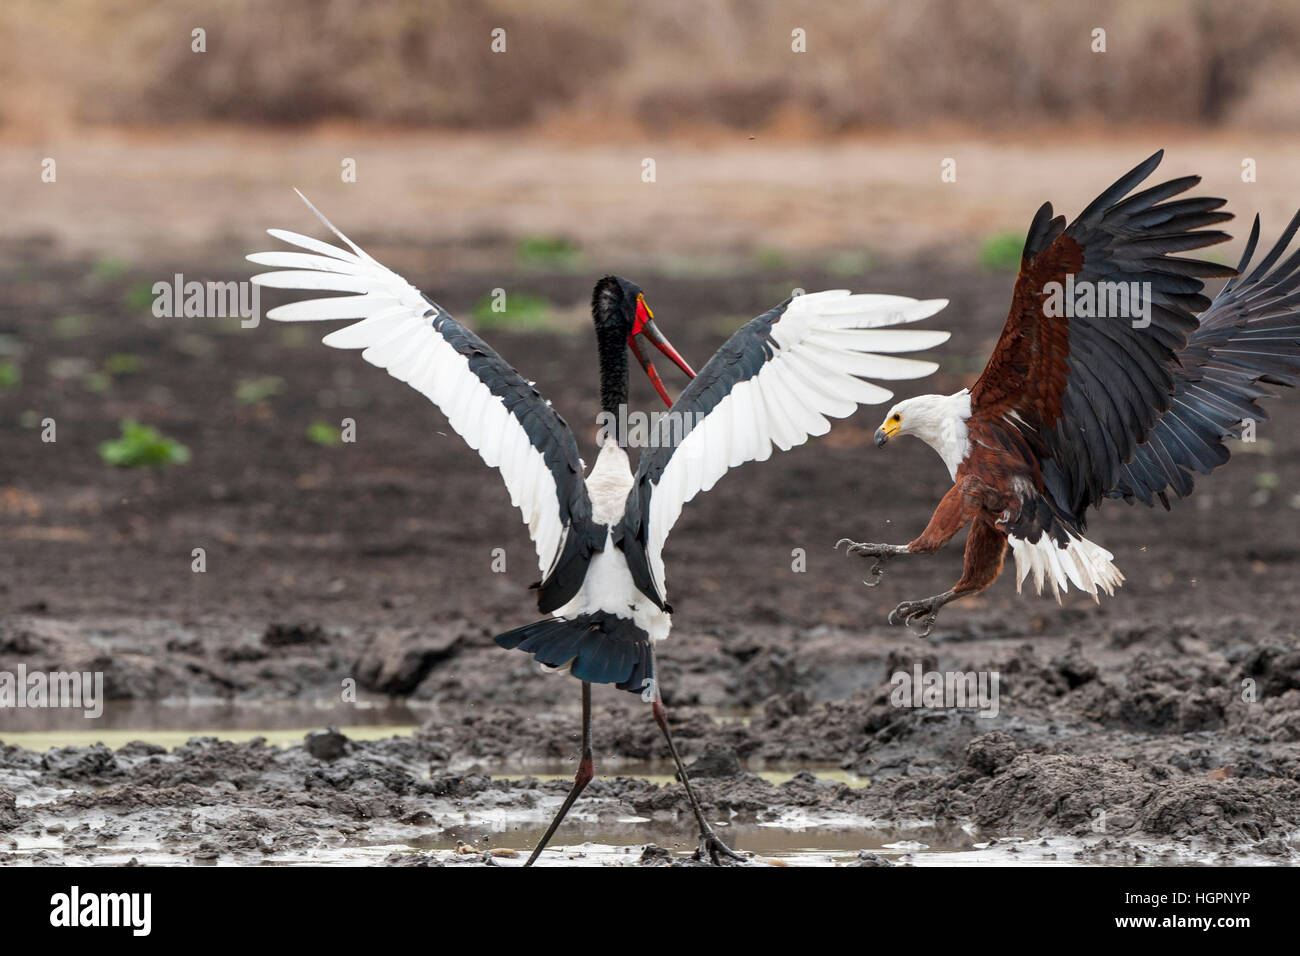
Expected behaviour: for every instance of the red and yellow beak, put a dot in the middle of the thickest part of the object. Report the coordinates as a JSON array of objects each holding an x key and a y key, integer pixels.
[{"x": 645, "y": 326}]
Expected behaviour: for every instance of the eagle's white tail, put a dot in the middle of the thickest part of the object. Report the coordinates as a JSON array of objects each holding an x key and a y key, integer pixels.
[{"x": 1083, "y": 563}]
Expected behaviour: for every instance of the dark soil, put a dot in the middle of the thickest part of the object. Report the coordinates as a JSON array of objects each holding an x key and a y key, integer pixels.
[{"x": 1168, "y": 714}]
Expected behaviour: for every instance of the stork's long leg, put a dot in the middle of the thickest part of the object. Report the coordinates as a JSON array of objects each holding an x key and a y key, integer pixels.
[
  {"x": 710, "y": 845},
  {"x": 586, "y": 770}
]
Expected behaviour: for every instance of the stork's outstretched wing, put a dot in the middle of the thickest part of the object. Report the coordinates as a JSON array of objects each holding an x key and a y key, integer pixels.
[
  {"x": 498, "y": 413},
  {"x": 776, "y": 381},
  {"x": 1249, "y": 337},
  {"x": 1081, "y": 390}
]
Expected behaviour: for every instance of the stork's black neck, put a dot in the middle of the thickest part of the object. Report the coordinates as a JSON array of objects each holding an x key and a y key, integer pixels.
[
  {"x": 613, "y": 310},
  {"x": 611, "y": 344}
]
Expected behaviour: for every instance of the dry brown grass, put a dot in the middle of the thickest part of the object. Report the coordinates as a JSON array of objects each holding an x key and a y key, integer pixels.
[{"x": 994, "y": 64}]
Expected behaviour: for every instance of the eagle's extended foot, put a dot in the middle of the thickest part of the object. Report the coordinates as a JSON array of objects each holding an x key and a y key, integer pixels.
[
  {"x": 919, "y": 616},
  {"x": 712, "y": 850},
  {"x": 881, "y": 552}
]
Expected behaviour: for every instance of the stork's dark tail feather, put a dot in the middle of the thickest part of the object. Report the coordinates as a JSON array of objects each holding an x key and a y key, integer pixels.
[
  {"x": 1249, "y": 337},
  {"x": 600, "y": 648}
]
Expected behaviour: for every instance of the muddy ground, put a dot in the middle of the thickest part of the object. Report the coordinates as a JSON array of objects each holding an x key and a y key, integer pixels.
[{"x": 1161, "y": 725}]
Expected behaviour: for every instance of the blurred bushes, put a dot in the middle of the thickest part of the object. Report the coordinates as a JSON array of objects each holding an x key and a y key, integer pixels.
[{"x": 992, "y": 63}]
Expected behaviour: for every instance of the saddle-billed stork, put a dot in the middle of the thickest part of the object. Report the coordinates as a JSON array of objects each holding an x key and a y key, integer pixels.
[{"x": 600, "y": 539}]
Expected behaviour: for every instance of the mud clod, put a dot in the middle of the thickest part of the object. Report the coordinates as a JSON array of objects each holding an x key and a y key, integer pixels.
[
  {"x": 326, "y": 744},
  {"x": 715, "y": 762},
  {"x": 866, "y": 858},
  {"x": 655, "y": 856},
  {"x": 989, "y": 753},
  {"x": 396, "y": 663}
]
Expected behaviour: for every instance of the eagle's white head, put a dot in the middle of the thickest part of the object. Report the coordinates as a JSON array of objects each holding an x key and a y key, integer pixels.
[{"x": 938, "y": 420}]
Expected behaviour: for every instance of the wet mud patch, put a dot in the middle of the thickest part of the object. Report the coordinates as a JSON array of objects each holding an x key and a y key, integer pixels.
[{"x": 908, "y": 782}]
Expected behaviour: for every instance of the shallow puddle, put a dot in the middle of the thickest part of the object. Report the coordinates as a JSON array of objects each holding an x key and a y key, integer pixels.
[
  {"x": 591, "y": 836},
  {"x": 215, "y": 716},
  {"x": 42, "y": 740},
  {"x": 678, "y": 836},
  {"x": 662, "y": 773}
]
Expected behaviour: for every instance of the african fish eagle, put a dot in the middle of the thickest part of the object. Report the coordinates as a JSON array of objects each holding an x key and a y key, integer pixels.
[{"x": 1076, "y": 406}]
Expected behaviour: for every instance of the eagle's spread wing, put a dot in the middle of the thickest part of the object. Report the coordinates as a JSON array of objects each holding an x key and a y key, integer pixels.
[
  {"x": 1249, "y": 337},
  {"x": 1084, "y": 390},
  {"x": 776, "y": 381},
  {"x": 486, "y": 401}
]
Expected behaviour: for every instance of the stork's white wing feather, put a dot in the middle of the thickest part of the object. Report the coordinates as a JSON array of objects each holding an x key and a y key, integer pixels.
[
  {"x": 419, "y": 343},
  {"x": 776, "y": 382}
]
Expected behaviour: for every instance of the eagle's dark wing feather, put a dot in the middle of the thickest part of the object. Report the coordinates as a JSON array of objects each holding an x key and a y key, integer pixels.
[
  {"x": 1248, "y": 338},
  {"x": 1085, "y": 390}
]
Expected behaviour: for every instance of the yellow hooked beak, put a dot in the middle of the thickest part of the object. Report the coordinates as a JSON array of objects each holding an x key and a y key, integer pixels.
[{"x": 888, "y": 430}]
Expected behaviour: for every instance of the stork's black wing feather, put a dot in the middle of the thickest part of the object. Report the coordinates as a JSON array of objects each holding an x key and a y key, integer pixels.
[
  {"x": 551, "y": 437},
  {"x": 498, "y": 413},
  {"x": 1248, "y": 338},
  {"x": 740, "y": 359},
  {"x": 776, "y": 382}
]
